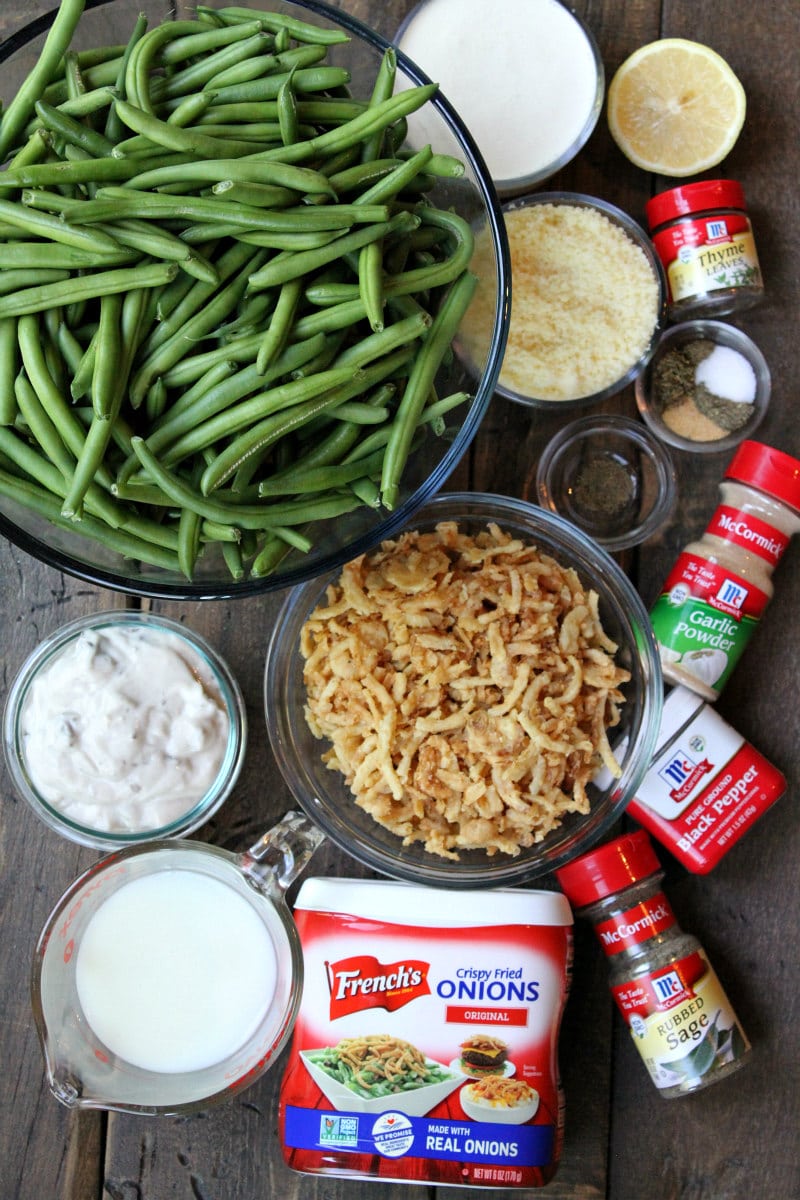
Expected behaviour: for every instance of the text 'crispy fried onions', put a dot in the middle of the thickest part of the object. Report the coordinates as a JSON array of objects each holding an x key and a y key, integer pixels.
[{"x": 466, "y": 686}]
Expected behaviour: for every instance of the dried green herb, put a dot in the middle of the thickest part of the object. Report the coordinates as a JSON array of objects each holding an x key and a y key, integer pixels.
[
  {"x": 673, "y": 375},
  {"x": 728, "y": 414},
  {"x": 604, "y": 487}
]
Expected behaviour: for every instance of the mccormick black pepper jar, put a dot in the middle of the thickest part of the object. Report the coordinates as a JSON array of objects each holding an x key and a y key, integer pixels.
[
  {"x": 703, "y": 236},
  {"x": 680, "y": 1019}
]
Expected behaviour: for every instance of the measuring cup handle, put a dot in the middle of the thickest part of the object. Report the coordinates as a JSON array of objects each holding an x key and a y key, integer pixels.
[{"x": 279, "y": 855}]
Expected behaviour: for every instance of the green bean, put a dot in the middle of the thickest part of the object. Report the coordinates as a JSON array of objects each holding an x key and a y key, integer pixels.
[
  {"x": 71, "y": 130},
  {"x": 128, "y": 545},
  {"x": 234, "y": 560},
  {"x": 143, "y": 55},
  {"x": 82, "y": 378},
  {"x": 113, "y": 127},
  {"x": 320, "y": 110},
  {"x": 43, "y": 225},
  {"x": 190, "y": 109},
  {"x": 255, "y": 516},
  {"x": 241, "y": 170},
  {"x": 106, "y": 359},
  {"x": 201, "y": 71},
  {"x": 270, "y": 428},
  {"x": 242, "y": 72},
  {"x": 24, "y": 277},
  {"x": 56, "y": 469},
  {"x": 189, "y": 524},
  {"x": 301, "y": 31},
  {"x": 288, "y": 119},
  {"x": 160, "y": 243},
  {"x": 9, "y": 358},
  {"x": 419, "y": 382},
  {"x": 113, "y": 203},
  {"x": 290, "y": 266},
  {"x": 370, "y": 282},
  {"x": 101, "y": 283},
  {"x": 171, "y": 351},
  {"x": 173, "y": 137},
  {"x": 206, "y": 44},
  {"x": 57, "y": 42},
  {"x": 38, "y": 378},
  {"x": 86, "y": 104},
  {"x": 280, "y": 325},
  {"x": 370, "y": 121},
  {"x": 259, "y": 195}
]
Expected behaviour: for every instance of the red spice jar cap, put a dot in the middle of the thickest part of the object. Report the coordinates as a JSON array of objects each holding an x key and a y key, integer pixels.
[
  {"x": 615, "y": 866},
  {"x": 690, "y": 198},
  {"x": 767, "y": 469}
]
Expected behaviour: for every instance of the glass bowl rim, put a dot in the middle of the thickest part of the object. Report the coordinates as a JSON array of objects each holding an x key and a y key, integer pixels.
[
  {"x": 151, "y": 587},
  {"x": 722, "y": 333},
  {"x": 637, "y": 432},
  {"x": 196, "y": 814},
  {"x": 497, "y": 871}
]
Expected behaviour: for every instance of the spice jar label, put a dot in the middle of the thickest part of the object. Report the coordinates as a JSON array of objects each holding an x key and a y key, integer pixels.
[
  {"x": 704, "y": 618},
  {"x": 681, "y": 1021},
  {"x": 638, "y": 924},
  {"x": 707, "y": 255},
  {"x": 743, "y": 529}
]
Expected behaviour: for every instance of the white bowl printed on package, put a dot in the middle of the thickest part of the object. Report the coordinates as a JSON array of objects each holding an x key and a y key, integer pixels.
[{"x": 425, "y": 1045}]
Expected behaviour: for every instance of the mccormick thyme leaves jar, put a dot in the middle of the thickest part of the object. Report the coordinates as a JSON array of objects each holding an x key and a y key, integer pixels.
[
  {"x": 680, "y": 1019},
  {"x": 704, "y": 238}
]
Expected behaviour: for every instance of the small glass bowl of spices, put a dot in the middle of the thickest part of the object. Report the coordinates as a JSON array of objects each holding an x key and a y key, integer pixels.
[
  {"x": 123, "y": 727},
  {"x": 706, "y": 387},
  {"x": 610, "y": 477}
]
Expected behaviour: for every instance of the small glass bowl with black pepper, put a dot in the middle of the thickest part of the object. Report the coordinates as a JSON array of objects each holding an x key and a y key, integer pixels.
[
  {"x": 706, "y": 387},
  {"x": 609, "y": 476}
]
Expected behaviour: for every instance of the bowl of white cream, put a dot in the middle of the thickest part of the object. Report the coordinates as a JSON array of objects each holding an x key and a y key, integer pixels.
[
  {"x": 123, "y": 727},
  {"x": 525, "y": 76}
]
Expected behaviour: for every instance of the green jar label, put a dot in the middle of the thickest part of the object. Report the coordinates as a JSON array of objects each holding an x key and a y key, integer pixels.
[{"x": 704, "y": 618}]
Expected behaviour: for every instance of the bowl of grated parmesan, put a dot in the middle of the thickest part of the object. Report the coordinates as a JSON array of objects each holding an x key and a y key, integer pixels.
[
  {"x": 588, "y": 299},
  {"x": 443, "y": 706}
]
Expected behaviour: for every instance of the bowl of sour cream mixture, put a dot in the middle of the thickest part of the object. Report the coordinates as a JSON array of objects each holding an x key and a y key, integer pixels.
[
  {"x": 122, "y": 727},
  {"x": 525, "y": 76}
]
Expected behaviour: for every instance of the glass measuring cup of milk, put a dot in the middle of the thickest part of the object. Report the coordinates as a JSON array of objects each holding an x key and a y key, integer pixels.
[{"x": 169, "y": 975}]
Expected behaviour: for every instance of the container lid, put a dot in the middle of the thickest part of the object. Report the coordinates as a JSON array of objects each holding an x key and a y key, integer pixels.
[
  {"x": 613, "y": 867},
  {"x": 693, "y": 197},
  {"x": 680, "y": 706},
  {"x": 770, "y": 470},
  {"x": 409, "y": 904}
]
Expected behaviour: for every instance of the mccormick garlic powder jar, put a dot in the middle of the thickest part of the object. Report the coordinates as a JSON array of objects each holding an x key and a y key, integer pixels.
[{"x": 425, "y": 1050}]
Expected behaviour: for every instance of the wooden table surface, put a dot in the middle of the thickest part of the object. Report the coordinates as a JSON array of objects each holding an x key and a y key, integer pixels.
[{"x": 735, "y": 1141}]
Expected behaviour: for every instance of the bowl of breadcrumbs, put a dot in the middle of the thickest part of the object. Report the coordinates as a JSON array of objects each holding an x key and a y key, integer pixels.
[
  {"x": 588, "y": 300},
  {"x": 446, "y": 706}
]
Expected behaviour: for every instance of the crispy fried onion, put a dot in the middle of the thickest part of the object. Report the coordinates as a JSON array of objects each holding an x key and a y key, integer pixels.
[{"x": 466, "y": 686}]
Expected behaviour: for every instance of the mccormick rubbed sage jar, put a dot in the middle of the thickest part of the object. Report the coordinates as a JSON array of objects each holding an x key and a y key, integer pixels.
[
  {"x": 680, "y": 1019},
  {"x": 704, "y": 238}
]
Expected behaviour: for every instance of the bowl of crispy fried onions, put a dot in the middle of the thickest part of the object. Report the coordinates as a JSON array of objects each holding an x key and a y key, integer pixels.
[{"x": 471, "y": 703}]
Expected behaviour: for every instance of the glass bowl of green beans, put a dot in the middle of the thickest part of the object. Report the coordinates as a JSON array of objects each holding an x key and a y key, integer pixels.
[
  {"x": 418, "y": 702},
  {"x": 235, "y": 256}
]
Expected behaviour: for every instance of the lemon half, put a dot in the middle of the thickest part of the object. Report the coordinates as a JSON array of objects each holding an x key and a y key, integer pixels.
[{"x": 675, "y": 107}]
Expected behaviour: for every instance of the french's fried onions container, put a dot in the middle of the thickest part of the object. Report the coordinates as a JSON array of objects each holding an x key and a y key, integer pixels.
[{"x": 425, "y": 1050}]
